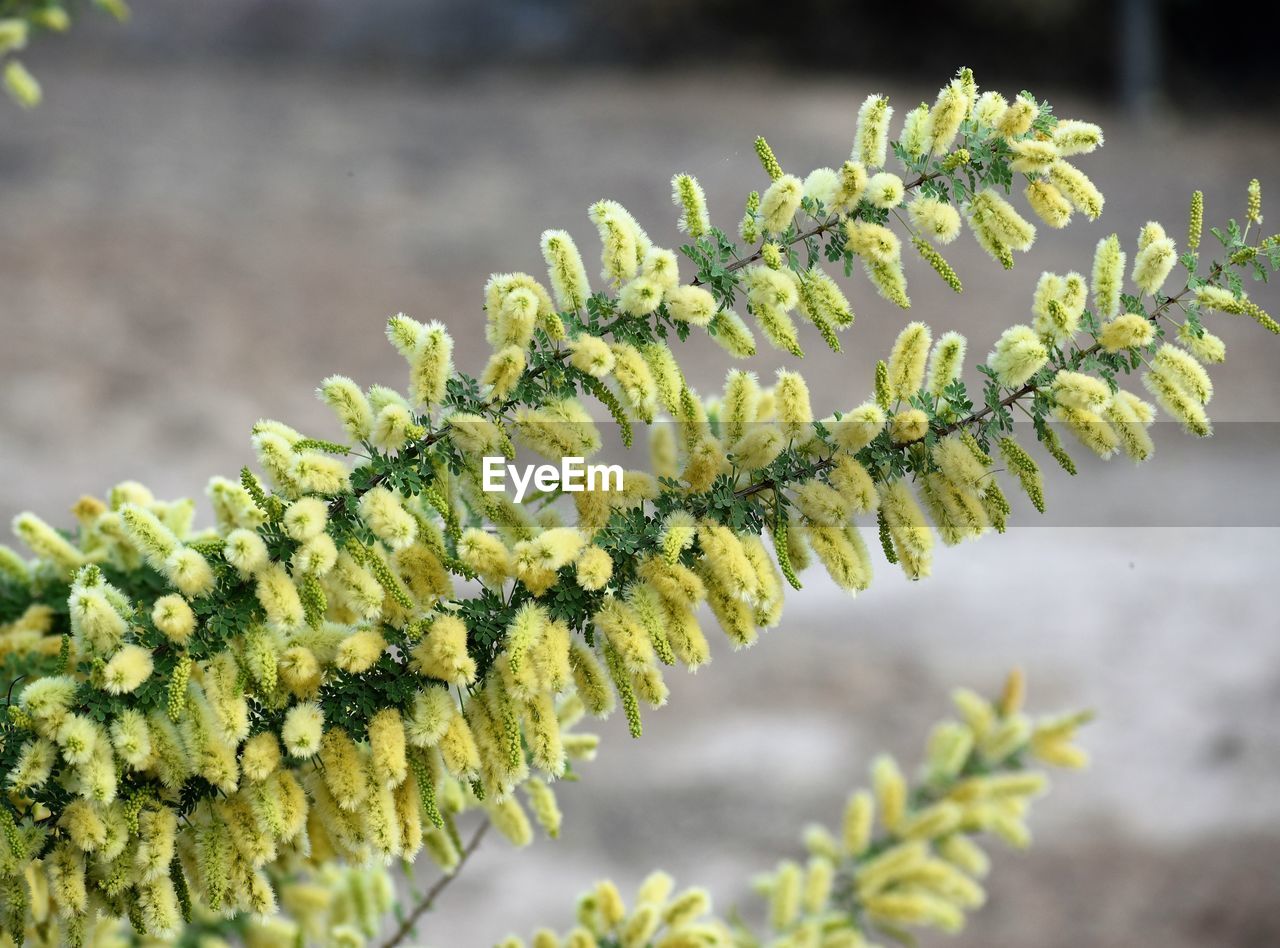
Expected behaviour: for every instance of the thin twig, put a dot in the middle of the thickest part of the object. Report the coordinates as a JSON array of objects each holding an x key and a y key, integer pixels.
[
  {"x": 816, "y": 230},
  {"x": 429, "y": 900}
]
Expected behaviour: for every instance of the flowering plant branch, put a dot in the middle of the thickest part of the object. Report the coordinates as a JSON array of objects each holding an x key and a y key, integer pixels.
[{"x": 368, "y": 643}]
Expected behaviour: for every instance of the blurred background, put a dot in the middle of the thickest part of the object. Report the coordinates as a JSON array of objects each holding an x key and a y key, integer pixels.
[{"x": 220, "y": 203}]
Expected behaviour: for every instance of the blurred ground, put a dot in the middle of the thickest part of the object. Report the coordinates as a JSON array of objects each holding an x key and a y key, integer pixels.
[{"x": 188, "y": 248}]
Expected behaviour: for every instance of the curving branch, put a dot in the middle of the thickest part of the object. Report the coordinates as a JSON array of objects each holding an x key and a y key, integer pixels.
[{"x": 430, "y": 897}]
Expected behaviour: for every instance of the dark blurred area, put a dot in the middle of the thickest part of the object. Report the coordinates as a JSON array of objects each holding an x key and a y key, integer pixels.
[{"x": 1144, "y": 54}]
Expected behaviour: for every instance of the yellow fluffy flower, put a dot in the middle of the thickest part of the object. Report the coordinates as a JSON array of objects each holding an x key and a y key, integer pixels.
[
  {"x": 303, "y": 729},
  {"x": 779, "y": 203},
  {"x": 442, "y": 652},
  {"x": 936, "y": 219},
  {"x": 907, "y": 360},
  {"x": 127, "y": 669},
  {"x": 871, "y": 137}
]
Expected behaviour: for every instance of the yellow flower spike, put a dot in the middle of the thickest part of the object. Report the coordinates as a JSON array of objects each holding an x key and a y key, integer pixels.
[
  {"x": 874, "y": 242},
  {"x": 687, "y": 195},
  {"x": 759, "y": 448},
  {"x": 884, "y": 190},
  {"x": 1018, "y": 355},
  {"x": 1126, "y": 331},
  {"x": 917, "y": 131},
  {"x": 871, "y": 138},
  {"x": 429, "y": 717},
  {"x": 640, "y": 927},
  {"x": 542, "y": 733},
  {"x": 1033, "y": 156},
  {"x": 1195, "y": 220},
  {"x": 784, "y": 906},
  {"x": 359, "y": 651},
  {"x": 303, "y": 729},
  {"x": 1129, "y": 416},
  {"x": 565, "y": 270},
  {"x": 1080, "y": 391},
  {"x": 349, "y": 403},
  {"x": 885, "y": 868},
  {"x": 623, "y": 243},
  {"x": 21, "y": 85},
  {"x": 842, "y": 551},
  {"x": 656, "y": 889},
  {"x": 854, "y": 483},
  {"x": 1073, "y": 137},
  {"x": 912, "y": 908},
  {"x": 938, "y": 220},
  {"x": 1017, "y": 117},
  {"x": 964, "y": 854},
  {"x": 989, "y": 109},
  {"x": 1206, "y": 346},
  {"x": 907, "y": 361},
  {"x": 590, "y": 681},
  {"x": 13, "y": 34},
  {"x": 1049, "y": 204},
  {"x": 998, "y": 227},
  {"x": 724, "y": 557},
  {"x": 1058, "y": 304},
  {"x": 510, "y": 819},
  {"x": 609, "y": 904},
  {"x": 458, "y": 750},
  {"x": 749, "y": 228},
  {"x": 910, "y": 534},
  {"x": 1013, "y": 694},
  {"x": 818, "y": 879},
  {"x": 1253, "y": 212},
  {"x": 1058, "y": 752},
  {"x": 938, "y": 263},
  {"x": 856, "y": 429},
  {"x": 890, "y": 790},
  {"x": 662, "y": 267},
  {"x": 687, "y": 907},
  {"x": 1188, "y": 373},
  {"x": 821, "y": 186},
  {"x": 1077, "y": 188},
  {"x": 1182, "y": 405},
  {"x": 946, "y": 117},
  {"x": 779, "y": 203},
  {"x": 387, "y": 744},
  {"x": 793, "y": 410},
  {"x": 127, "y": 669},
  {"x": 542, "y": 801},
  {"x": 1154, "y": 260},
  {"x": 594, "y": 568},
  {"x": 908, "y": 426},
  {"x": 442, "y": 652}
]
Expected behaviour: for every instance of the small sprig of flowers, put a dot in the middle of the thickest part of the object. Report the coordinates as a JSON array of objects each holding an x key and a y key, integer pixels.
[{"x": 904, "y": 855}]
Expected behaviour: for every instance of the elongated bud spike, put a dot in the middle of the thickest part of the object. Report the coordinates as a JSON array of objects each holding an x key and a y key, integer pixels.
[
  {"x": 1254, "y": 212},
  {"x": 771, "y": 166},
  {"x": 1196, "y": 221}
]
